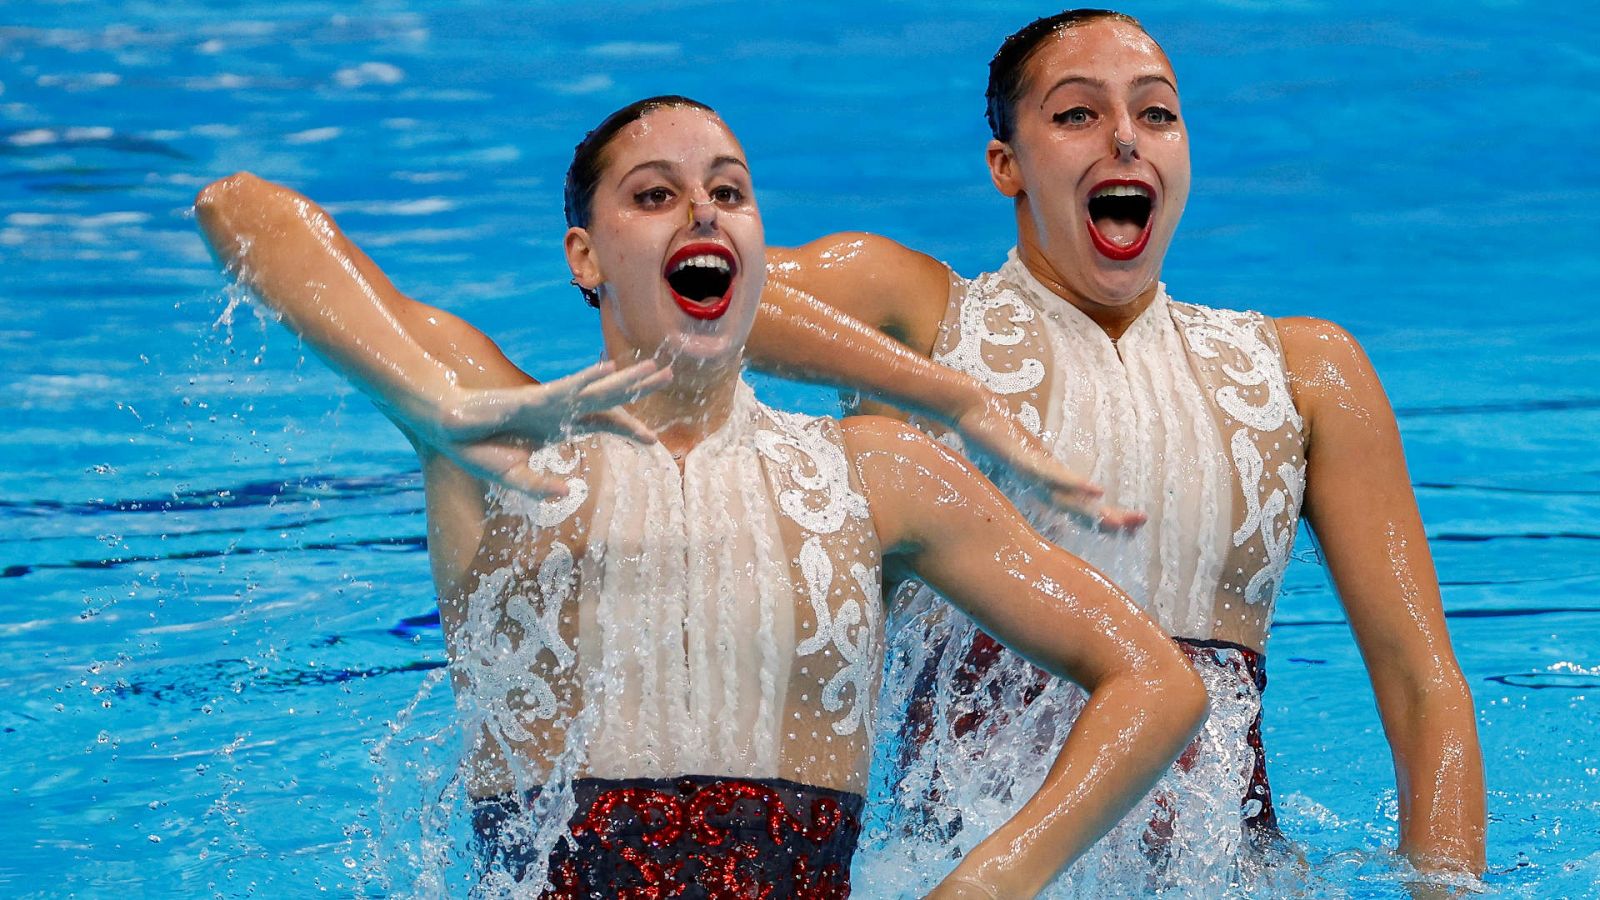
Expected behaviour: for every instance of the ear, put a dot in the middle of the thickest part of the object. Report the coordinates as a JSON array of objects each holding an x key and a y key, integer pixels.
[
  {"x": 1003, "y": 168},
  {"x": 582, "y": 260}
]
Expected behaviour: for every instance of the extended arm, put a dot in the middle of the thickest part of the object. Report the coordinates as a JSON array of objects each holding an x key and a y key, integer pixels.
[
  {"x": 441, "y": 380},
  {"x": 936, "y": 515},
  {"x": 1377, "y": 552},
  {"x": 874, "y": 334}
]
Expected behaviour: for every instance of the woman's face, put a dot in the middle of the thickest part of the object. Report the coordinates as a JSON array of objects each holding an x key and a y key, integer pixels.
[
  {"x": 1099, "y": 159},
  {"x": 674, "y": 242}
]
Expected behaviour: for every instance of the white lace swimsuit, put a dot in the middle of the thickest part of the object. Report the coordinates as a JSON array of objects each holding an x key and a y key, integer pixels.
[
  {"x": 725, "y": 621},
  {"x": 1188, "y": 418}
]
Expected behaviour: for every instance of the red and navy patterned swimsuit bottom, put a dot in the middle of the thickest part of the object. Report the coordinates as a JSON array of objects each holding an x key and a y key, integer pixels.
[
  {"x": 1259, "y": 817},
  {"x": 1256, "y": 813},
  {"x": 692, "y": 836}
]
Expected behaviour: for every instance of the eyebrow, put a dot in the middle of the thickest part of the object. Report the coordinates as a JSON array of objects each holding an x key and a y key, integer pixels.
[
  {"x": 666, "y": 168},
  {"x": 1141, "y": 81}
]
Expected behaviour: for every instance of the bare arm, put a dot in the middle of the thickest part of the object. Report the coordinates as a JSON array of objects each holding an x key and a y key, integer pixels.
[
  {"x": 1377, "y": 552},
  {"x": 939, "y": 517},
  {"x": 470, "y": 413},
  {"x": 446, "y": 385},
  {"x": 875, "y": 333}
]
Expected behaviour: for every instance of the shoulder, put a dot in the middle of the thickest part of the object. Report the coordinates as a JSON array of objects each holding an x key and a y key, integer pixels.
[
  {"x": 859, "y": 251},
  {"x": 880, "y": 281},
  {"x": 880, "y": 432},
  {"x": 1310, "y": 344},
  {"x": 1330, "y": 375}
]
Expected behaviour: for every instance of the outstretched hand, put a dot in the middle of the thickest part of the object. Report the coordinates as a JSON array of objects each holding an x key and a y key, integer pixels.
[
  {"x": 491, "y": 432},
  {"x": 990, "y": 427}
]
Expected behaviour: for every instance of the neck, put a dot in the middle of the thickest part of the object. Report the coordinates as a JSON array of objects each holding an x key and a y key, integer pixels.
[
  {"x": 696, "y": 403},
  {"x": 1114, "y": 318}
]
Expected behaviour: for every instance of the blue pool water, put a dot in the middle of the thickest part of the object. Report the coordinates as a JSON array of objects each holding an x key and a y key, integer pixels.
[{"x": 209, "y": 542}]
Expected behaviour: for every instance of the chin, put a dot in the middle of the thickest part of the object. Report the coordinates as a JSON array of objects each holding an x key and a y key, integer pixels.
[
  {"x": 694, "y": 349},
  {"x": 1121, "y": 289}
]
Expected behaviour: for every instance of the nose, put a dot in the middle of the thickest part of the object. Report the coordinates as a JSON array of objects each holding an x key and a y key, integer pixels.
[
  {"x": 702, "y": 213},
  {"x": 1124, "y": 141}
]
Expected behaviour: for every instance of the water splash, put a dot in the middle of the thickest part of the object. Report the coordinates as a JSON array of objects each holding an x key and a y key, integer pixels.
[{"x": 970, "y": 743}]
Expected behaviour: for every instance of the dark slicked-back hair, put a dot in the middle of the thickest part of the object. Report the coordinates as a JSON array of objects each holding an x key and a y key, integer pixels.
[
  {"x": 1007, "y": 71},
  {"x": 588, "y": 160}
]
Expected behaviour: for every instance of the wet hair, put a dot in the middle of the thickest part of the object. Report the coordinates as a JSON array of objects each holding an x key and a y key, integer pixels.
[
  {"x": 1008, "y": 69},
  {"x": 588, "y": 160}
]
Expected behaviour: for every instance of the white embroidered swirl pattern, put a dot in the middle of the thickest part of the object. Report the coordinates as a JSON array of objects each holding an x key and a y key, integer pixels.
[
  {"x": 820, "y": 505},
  {"x": 1264, "y": 510},
  {"x": 985, "y": 295},
  {"x": 828, "y": 479}
]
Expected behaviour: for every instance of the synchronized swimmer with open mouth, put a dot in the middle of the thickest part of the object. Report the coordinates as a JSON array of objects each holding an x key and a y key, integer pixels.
[{"x": 708, "y": 692}]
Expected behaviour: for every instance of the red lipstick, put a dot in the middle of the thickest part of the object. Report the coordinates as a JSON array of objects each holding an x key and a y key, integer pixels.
[
  {"x": 1109, "y": 248},
  {"x": 715, "y": 306}
]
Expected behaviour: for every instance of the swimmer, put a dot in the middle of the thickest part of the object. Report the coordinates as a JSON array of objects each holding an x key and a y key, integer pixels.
[
  {"x": 686, "y": 595},
  {"x": 1225, "y": 428}
]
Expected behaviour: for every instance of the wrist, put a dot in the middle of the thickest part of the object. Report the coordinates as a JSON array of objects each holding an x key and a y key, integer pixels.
[
  {"x": 957, "y": 396},
  {"x": 444, "y": 412}
]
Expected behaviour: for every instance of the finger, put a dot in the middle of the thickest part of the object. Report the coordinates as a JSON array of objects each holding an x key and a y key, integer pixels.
[
  {"x": 1114, "y": 519},
  {"x": 1051, "y": 475},
  {"x": 617, "y": 422},
  {"x": 507, "y": 466},
  {"x": 1031, "y": 458},
  {"x": 535, "y": 484},
  {"x": 621, "y": 387},
  {"x": 575, "y": 383},
  {"x": 1102, "y": 517}
]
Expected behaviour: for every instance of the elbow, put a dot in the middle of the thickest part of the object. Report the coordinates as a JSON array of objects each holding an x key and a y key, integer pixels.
[
  {"x": 1177, "y": 694},
  {"x": 222, "y": 193},
  {"x": 233, "y": 206},
  {"x": 1191, "y": 704}
]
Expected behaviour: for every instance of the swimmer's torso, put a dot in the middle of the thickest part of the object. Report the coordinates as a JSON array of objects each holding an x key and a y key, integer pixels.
[
  {"x": 724, "y": 621},
  {"x": 1187, "y": 417}
]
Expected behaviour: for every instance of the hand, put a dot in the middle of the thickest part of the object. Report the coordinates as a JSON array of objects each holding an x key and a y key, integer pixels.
[
  {"x": 987, "y": 424},
  {"x": 491, "y": 432}
]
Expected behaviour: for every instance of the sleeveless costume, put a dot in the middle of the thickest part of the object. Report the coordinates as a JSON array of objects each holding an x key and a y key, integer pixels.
[
  {"x": 675, "y": 673},
  {"x": 1186, "y": 417}
]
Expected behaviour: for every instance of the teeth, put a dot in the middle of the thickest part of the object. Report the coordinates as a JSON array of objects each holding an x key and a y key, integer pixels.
[
  {"x": 1122, "y": 190},
  {"x": 704, "y": 261}
]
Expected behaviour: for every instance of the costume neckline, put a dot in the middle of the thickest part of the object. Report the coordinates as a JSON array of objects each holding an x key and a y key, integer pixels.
[
  {"x": 1051, "y": 304},
  {"x": 742, "y": 414}
]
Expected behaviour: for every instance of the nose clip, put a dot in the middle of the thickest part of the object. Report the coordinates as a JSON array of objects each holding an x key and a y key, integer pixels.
[
  {"x": 694, "y": 209},
  {"x": 1125, "y": 148}
]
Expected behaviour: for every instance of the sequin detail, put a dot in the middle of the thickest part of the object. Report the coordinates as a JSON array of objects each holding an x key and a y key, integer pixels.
[
  {"x": 1234, "y": 344},
  {"x": 724, "y": 618},
  {"x": 690, "y": 837},
  {"x": 1187, "y": 417}
]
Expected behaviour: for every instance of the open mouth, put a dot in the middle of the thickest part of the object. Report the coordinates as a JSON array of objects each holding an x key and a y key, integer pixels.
[
  {"x": 1119, "y": 217},
  {"x": 701, "y": 279}
]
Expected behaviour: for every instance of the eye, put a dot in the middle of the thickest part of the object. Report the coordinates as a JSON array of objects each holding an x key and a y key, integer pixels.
[
  {"x": 1078, "y": 115},
  {"x": 1158, "y": 115},
  {"x": 727, "y": 195},
  {"x": 653, "y": 198}
]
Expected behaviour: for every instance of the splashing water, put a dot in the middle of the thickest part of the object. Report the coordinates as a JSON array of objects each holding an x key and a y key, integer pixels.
[{"x": 972, "y": 742}]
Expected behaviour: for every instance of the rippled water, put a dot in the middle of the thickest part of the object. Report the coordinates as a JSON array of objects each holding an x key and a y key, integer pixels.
[{"x": 212, "y": 546}]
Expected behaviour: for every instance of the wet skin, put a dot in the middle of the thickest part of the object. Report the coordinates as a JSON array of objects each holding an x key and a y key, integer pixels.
[
  {"x": 677, "y": 179},
  {"x": 1100, "y": 103}
]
